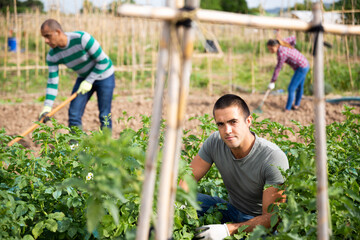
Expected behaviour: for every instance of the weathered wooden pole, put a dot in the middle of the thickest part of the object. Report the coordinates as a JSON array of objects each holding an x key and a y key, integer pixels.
[
  {"x": 320, "y": 130},
  {"x": 152, "y": 150},
  {"x": 186, "y": 68},
  {"x": 262, "y": 22},
  {"x": 163, "y": 204}
]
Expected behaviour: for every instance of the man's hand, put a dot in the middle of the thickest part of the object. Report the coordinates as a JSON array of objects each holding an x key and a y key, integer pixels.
[
  {"x": 212, "y": 232},
  {"x": 43, "y": 113},
  {"x": 271, "y": 86},
  {"x": 85, "y": 86}
]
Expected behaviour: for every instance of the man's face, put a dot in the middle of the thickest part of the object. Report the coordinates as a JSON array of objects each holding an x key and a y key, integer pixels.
[
  {"x": 232, "y": 126},
  {"x": 51, "y": 37}
]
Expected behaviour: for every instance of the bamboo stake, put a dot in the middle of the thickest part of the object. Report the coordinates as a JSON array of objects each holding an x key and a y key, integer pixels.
[
  {"x": 151, "y": 153},
  {"x": 58, "y": 10},
  {"x": 320, "y": 133},
  {"x": 187, "y": 50},
  {"x": 338, "y": 39},
  {"x": 142, "y": 45},
  {"x": 6, "y": 43},
  {"x": 153, "y": 68},
  {"x": 37, "y": 43},
  {"x": 170, "y": 143},
  {"x": 347, "y": 55},
  {"x": 118, "y": 61},
  {"x": 354, "y": 37},
  {"x": 171, "y": 137},
  {"x": 333, "y": 47},
  {"x": 348, "y": 62},
  {"x": 27, "y": 57},
  {"x": 260, "y": 51},
  {"x": 230, "y": 69},
  {"x": 43, "y": 54},
  {"x": 164, "y": 13},
  {"x": 209, "y": 70},
  {"x": 327, "y": 61},
  {"x": 253, "y": 73},
  {"x": 18, "y": 50},
  {"x": 133, "y": 58},
  {"x": 17, "y": 32},
  {"x": 345, "y": 11}
]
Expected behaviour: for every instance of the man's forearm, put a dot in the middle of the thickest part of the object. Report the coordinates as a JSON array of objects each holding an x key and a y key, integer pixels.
[{"x": 263, "y": 220}]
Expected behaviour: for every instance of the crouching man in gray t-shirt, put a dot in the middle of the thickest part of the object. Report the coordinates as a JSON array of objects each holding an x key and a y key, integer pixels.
[{"x": 246, "y": 163}]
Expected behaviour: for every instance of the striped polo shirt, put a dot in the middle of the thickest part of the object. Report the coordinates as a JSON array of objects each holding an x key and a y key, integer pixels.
[
  {"x": 289, "y": 55},
  {"x": 82, "y": 54}
]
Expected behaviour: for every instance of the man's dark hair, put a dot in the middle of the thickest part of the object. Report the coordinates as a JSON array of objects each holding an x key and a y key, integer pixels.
[
  {"x": 232, "y": 100},
  {"x": 272, "y": 42},
  {"x": 52, "y": 24}
]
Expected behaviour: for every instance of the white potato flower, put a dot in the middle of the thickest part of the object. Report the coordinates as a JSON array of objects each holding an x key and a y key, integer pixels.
[
  {"x": 89, "y": 176},
  {"x": 73, "y": 146}
]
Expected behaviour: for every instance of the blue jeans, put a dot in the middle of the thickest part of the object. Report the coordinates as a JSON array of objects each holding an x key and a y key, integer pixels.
[
  {"x": 296, "y": 84},
  {"x": 104, "y": 90},
  {"x": 232, "y": 214}
]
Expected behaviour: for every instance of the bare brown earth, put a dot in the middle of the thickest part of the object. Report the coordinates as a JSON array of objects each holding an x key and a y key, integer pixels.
[{"x": 16, "y": 118}]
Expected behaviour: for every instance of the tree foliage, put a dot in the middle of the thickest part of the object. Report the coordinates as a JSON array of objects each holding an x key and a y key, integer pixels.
[
  {"x": 211, "y": 4},
  {"x": 348, "y": 5},
  {"x": 236, "y": 6},
  {"x": 21, "y": 6}
]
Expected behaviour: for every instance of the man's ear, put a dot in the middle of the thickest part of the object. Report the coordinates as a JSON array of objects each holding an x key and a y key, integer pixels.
[
  {"x": 249, "y": 120},
  {"x": 58, "y": 31}
]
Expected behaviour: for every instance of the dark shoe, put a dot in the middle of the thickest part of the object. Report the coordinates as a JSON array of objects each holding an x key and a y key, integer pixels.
[{"x": 295, "y": 107}]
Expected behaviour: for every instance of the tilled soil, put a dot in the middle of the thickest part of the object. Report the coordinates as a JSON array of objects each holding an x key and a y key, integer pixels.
[{"x": 16, "y": 118}]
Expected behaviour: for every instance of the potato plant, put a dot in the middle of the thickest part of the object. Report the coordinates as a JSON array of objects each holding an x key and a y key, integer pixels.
[{"x": 91, "y": 190}]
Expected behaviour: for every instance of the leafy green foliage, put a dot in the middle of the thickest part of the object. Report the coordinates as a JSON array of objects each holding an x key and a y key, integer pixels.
[
  {"x": 22, "y": 6},
  {"x": 91, "y": 190},
  {"x": 237, "y": 6}
]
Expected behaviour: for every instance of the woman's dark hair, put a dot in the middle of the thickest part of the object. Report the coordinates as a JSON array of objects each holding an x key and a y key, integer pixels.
[
  {"x": 273, "y": 42},
  {"x": 232, "y": 100}
]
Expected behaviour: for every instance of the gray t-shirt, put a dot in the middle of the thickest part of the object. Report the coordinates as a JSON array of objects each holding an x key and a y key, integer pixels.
[{"x": 245, "y": 178}]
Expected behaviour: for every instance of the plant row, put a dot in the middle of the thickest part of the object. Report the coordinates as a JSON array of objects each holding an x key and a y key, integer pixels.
[{"x": 92, "y": 190}]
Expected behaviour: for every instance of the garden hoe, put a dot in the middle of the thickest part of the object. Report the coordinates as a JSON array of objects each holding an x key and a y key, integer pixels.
[
  {"x": 258, "y": 109},
  {"x": 33, "y": 127}
]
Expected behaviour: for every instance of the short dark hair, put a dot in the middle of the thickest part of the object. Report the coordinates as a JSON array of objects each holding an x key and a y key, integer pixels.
[
  {"x": 52, "y": 24},
  {"x": 232, "y": 100},
  {"x": 272, "y": 42}
]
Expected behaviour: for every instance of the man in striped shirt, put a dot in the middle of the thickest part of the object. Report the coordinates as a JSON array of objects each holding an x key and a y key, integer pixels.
[
  {"x": 287, "y": 53},
  {"x": 80, "y": 52}
]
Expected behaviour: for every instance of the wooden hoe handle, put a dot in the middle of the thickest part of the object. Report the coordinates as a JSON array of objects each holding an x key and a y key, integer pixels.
[{"x": 34, "y": 126}]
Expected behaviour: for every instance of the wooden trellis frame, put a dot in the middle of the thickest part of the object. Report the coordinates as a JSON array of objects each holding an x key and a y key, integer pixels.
[{"x": 172, "y": 144}]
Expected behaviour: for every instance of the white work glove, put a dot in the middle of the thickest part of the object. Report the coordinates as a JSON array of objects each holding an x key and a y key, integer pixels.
[
  {"x": 84, "y": 87},
  {"x": 271, "y": 86},
  {"x": 212, "y": 232},
  {"x": 43, "y": 113}
]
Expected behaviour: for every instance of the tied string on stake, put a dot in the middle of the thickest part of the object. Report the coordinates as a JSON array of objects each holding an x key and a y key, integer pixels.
[
  {"x": 316, "y": 29},
  {"x": 184, "y": 18}
]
